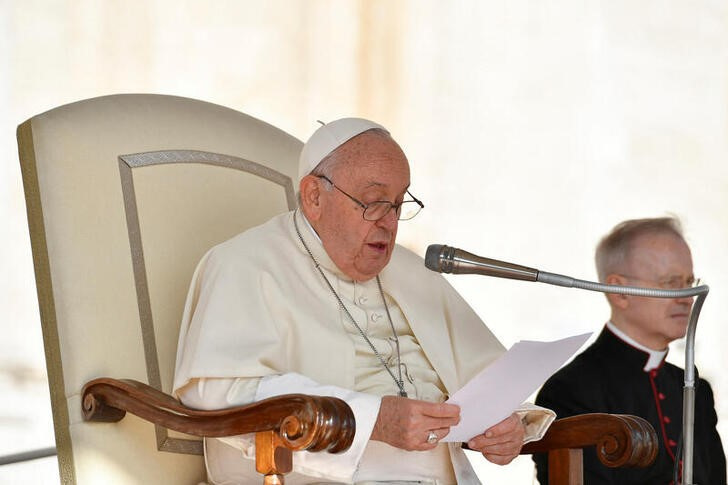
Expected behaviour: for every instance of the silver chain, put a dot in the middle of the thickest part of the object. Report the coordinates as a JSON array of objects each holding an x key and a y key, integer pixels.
[{"x": 399, "y": 382}]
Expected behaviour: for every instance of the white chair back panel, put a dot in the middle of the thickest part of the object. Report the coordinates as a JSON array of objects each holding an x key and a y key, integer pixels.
[
  {"x": 184, "y": 209},
  {"x": 134, "y": 459}
]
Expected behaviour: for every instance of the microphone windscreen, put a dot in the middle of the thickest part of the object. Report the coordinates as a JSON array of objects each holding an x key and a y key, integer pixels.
[{"x": 432, "y": 257}]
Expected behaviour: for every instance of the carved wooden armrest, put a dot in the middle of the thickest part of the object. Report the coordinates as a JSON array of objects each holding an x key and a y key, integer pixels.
[
  {"x": 621, "y": 440},
  {"x": 291, "y": 422}
]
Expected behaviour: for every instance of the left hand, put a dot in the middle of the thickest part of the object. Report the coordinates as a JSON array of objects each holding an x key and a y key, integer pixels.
[{"x": 501, "y": 443}]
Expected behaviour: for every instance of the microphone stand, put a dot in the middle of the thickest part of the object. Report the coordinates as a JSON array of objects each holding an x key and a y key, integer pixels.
[
  {"x": 688, "y": 426},
  {"x": 446, "y": 259}
]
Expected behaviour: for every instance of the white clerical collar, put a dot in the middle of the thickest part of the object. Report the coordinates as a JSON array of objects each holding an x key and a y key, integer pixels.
[{"x": 656, "y": 356}]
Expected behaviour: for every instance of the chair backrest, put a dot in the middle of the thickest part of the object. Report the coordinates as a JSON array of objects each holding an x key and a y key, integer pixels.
[{"x": 124, "y": 194}]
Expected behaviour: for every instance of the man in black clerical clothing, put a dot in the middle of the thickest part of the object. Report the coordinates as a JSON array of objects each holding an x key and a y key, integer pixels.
[{"x": 625, "y": 372}]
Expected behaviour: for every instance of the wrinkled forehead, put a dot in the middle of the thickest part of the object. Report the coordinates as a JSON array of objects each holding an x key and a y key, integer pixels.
[
  {"x": 371, "y": 148},
  {"x": 372, "y": 156},
  {"x": 661, "y": 254}
]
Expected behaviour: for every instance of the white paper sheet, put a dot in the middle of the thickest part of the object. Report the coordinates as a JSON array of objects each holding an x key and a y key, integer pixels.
[{"x": 500, "y": 388}]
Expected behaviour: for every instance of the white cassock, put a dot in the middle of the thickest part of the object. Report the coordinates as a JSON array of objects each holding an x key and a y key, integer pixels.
[{"x": 260, "y": 321}]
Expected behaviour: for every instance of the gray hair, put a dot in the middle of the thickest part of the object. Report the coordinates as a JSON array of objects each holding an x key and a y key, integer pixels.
[{"x": 614, "y": 248}]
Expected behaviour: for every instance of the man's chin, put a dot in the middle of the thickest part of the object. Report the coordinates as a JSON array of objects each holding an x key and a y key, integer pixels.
[
  {"x": 373, "y": 266},
  {"x": 680, "y": 330}
]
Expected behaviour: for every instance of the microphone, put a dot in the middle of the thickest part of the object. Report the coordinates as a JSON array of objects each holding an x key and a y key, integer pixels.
[{"x": 447, "y": 259}]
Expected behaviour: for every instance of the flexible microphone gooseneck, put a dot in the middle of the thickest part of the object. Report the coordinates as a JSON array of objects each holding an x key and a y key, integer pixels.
[{"x": 447, "y": 259}]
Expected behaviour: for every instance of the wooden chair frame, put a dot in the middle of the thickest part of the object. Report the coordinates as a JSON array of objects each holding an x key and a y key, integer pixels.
[
  {"x": 296, "y": 422},
  {"x": 282, "y": 424},
  {"x": 620, "y": 440}
]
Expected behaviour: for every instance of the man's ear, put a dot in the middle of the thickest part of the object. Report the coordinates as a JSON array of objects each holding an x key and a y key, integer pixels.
[
  {"x": 618, "y": 301},
  {"x": 310, "y": 190}
]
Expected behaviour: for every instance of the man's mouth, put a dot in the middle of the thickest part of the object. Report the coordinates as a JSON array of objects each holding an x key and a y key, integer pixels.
[{"x": 378, "y": 246}]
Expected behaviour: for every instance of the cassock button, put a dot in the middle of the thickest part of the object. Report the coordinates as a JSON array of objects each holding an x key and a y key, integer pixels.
[
  {"x": 661, "y": 396},
  {"x": 666, "y": 419},
  {"x": 672, "y": 443},
  {"x": 653, "y": 373}
]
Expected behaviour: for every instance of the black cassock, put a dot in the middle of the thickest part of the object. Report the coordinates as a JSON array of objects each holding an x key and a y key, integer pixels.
[{"x": 608, "y": 377}]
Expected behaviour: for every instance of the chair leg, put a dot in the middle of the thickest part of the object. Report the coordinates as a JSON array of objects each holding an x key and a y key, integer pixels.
[
  {"x": 566, "y": 466},
  {"x": 272, "y": 459},
  {"x": 273, "y": 480}
]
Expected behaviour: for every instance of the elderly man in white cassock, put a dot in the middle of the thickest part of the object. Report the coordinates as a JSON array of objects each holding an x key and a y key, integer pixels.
[{"x": 322, "y": 301}]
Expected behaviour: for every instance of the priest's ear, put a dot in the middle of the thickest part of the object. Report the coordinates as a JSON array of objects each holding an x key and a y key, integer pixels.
[
  {"x": 616, "y": 300},
  {"x": 310, "y": 192}
]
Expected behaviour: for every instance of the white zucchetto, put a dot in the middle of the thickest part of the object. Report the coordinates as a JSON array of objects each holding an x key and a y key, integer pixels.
[{"x": 328, "y": 138}]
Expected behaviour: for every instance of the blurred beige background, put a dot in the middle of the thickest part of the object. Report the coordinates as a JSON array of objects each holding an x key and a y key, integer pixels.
[{"x": 532, "y": 127}]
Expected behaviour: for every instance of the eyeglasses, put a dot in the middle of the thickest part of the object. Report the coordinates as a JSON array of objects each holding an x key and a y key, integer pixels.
[
  {"x": 673, "y": 283},
  {"x": 375, "y": 211}
]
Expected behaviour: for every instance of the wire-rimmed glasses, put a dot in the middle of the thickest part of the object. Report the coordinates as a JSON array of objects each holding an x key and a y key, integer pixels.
[
  {"x": 672, "y": 283},
  {"x": 374, "y": 211}
]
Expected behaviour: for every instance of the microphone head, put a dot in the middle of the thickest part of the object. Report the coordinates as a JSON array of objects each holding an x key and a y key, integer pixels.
[
  {"x": 433, "y": 257},
  {"x": 447, "y": 259}
]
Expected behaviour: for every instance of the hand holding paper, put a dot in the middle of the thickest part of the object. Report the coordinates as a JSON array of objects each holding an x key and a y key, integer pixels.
[{"x": 500, "y": 388}]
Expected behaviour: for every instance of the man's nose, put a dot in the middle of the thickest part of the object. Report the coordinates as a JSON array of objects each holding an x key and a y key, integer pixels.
[
  {"x": 390, "y": 219},
  {"x": 685, "y": 300}
]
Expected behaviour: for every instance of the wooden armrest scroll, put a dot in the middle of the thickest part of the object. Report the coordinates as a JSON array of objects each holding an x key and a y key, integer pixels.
[
  {"x": 621, "y": 440},
  {"x": 303, "y": 422}
]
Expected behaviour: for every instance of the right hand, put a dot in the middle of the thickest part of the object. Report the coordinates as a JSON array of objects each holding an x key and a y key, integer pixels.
[{"x": 405, "y": 423}]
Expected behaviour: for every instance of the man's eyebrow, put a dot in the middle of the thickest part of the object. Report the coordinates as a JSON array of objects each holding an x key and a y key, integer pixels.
[{"x": 675, "y": 276}]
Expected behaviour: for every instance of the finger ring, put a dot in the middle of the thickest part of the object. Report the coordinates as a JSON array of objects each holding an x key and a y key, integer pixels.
[{"x": 432, "y": 437}]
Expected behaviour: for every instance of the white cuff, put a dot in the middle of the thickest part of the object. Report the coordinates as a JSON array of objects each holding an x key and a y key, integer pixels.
[
  {"x": 536, "y": 420},
  {"x": 341, "y": 466},
  {"x": 213, "y": 393}
]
